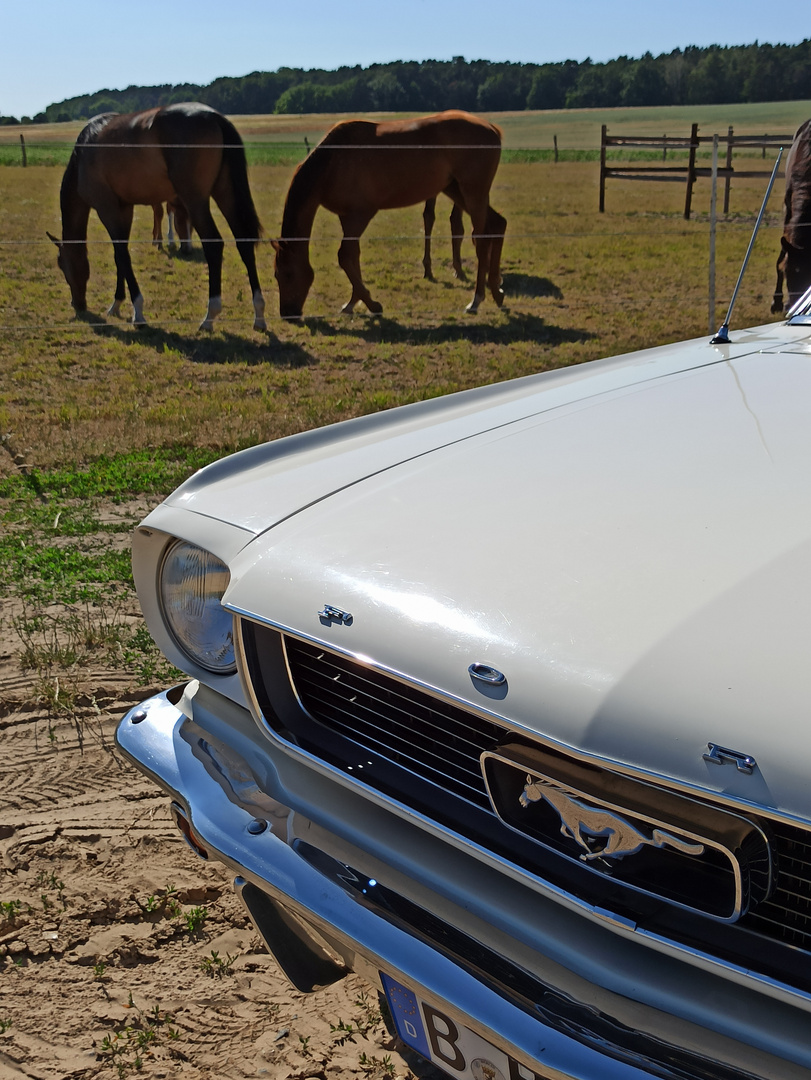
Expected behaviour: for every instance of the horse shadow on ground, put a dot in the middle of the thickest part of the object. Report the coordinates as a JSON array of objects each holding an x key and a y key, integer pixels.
[
  {"x": 530, "y": 285},
  {"x": 222, "y": 347},
  {"x": 515, "y": 327},
  {"x": 194, "y": 256}
]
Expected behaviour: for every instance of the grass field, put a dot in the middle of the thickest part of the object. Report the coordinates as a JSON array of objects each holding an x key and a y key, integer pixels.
[{"x": 93, "y": 410}]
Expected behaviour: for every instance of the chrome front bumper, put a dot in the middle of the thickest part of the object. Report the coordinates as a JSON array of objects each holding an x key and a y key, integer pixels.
[{"x": 321, "y": 919}]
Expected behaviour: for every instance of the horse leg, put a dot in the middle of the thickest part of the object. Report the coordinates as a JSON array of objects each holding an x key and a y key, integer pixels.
[
  {"x": 428, "y": 219},
  {"x": 457, "y": 236},
  {"x": 472, "y": 204},
  {"x": 496, "y": 227},
  {"x": 483, "y": 244},
  {"x": 117, "y": 220},
  {"x": 157, "y": 220},
  {"x": 349, "y": 261},
  {"x": 777, "y": 299},
  {"x": 183, "y": 227},
  {"x": 247, "y": 251},
  {"x": 246, "y": 246},
  {"x": 202, "y": 220}
]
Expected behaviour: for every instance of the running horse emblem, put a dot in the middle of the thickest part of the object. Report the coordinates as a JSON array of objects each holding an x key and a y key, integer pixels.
[{"x": 581, "y": 822}]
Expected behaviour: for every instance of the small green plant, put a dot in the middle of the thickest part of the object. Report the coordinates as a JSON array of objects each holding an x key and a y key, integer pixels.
[
  {"x": 9, "y": 911},
  {"x": 217, "y": 966},
  {"x": 370, "y": 1063},
  {"x": 124, "y": 1049},
  {"x": 98, "y": 970},
  {"x": 5, "y": 1024},
  {"x": 343, "y": 1032},
  {"x": 195, "y": 920},
  {"x": 305, "y": 1042},
  {"x": 370, "y": 1015}
]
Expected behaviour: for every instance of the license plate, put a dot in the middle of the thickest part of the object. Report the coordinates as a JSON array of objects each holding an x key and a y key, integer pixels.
[{"x": 455, "y": 1049}]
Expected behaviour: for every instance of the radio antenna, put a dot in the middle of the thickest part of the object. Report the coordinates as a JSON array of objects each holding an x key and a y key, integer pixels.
[{"x": 722, "y": 337}]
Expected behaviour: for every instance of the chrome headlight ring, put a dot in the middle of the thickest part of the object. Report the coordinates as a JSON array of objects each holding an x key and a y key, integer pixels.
[{"x": 191, "y": 584}]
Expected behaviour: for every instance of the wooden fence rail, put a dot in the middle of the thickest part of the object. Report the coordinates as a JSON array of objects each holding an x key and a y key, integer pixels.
[{"x": 686, "y": 173}]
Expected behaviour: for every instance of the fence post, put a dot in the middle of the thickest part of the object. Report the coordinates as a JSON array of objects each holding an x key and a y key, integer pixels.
[
  {"x": 22, "y": 148},
  {"x": 556, "y": 148},
  {"x": 602, "y": 167},
  {"x": 728, "y": 180},
  {"x": 691, "y": 171},
  {"x": 713, "y": 216}
]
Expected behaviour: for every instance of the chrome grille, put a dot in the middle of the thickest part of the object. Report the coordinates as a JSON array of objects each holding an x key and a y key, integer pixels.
[
  {"x": 419, "y": 743},
  {"x": 434, "y": 739}
]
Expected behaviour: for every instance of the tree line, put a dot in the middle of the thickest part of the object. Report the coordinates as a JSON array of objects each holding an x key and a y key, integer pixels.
[{"x": 690, "y": 76}]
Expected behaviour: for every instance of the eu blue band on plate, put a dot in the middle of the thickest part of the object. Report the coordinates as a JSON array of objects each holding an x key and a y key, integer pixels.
[{"x": 405, "y": 1013}]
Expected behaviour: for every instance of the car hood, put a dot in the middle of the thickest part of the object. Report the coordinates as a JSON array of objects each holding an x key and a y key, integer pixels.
[{"x": 636, "y": 563}]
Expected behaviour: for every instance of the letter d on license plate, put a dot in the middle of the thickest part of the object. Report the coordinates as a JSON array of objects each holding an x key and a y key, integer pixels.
[{"x": 454, "y": 1048}]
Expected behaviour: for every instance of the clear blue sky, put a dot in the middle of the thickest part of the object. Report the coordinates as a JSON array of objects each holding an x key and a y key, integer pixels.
[{"x": 57, "y": 49}]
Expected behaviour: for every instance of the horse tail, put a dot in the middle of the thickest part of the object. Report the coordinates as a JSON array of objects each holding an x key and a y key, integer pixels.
[{"x": 234, "y": 160}]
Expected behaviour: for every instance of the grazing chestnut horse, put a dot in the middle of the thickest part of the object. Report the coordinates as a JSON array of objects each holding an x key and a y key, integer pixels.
[
  {"x": 794, "y": 260},
  {"x": 360, "y": 167},
  {"x": 186, "y": 152},
  {"x": 177, "y": 218}
]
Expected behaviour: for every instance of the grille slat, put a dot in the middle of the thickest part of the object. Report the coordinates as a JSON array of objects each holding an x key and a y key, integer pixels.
[
  {"x": 441, "y": 743},
  {"x": 432, "y": 738}
]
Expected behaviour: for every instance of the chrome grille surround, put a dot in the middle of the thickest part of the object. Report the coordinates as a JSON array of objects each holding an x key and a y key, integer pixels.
[{"x": 351, "y": 715}]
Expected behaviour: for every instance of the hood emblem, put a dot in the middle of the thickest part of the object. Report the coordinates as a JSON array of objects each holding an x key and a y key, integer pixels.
[
  {"x": 486, "y": 674},
  {"x": 721, "y": 755},
  {"x": 332, "y": 614},
  {"x": 588, "y": 825}
]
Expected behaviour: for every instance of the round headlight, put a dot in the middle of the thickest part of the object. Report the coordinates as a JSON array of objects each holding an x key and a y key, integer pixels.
[{"x": 192, "y": 582}]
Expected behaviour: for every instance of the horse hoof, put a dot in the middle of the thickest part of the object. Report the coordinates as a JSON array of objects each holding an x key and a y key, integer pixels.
[
  {"x": 207, "y": 324},
  {"x": 260, "y": 324},
  {"x": 473, "y": 306},
  {"x": 348, "y": 309},
  {"x": 498, "y": 296},
  {"x": 375, "y": 307}
]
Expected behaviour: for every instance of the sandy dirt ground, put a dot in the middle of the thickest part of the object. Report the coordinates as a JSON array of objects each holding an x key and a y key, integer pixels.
[{"x": 123, "y": 954}]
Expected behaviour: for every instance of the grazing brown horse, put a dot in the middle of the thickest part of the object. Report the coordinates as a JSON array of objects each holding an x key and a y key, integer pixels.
[
  {"x": 186, "y": 152},
  {"x": 360, "y": 167},
  {"x": 794, "y": 261},
  {"x": 177, "y": 219}
]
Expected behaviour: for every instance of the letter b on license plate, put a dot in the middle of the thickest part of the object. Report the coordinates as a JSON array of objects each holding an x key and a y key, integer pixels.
[{"x": 456, "y": 1049}]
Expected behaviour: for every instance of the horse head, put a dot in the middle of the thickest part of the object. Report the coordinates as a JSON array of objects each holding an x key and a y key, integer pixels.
[
  {"x": 73, "y": 262},
  {"x": 294, "y": 275}
]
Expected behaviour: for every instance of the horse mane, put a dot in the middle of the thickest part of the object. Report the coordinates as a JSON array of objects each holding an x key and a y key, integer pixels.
[
  {"x": 305, "y": 181},
  {"x": 93, "y": 128}
]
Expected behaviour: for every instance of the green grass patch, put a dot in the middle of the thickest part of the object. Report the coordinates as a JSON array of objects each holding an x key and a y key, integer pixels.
[{"x": 117, "y": 477}]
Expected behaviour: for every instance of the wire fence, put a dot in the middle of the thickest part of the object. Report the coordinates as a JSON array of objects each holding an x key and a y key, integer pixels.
[{"x": 741, "y": 224}]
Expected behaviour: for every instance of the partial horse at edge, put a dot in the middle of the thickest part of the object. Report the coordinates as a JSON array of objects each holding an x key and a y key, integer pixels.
[{"x": 794, "y": 261}]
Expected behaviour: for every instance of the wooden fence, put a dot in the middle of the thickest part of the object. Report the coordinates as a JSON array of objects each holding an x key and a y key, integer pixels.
[{"x": 684, "y": 172}]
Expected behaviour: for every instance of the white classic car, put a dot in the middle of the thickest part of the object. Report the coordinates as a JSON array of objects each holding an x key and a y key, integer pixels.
[{"x": 500, "y": 700}]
